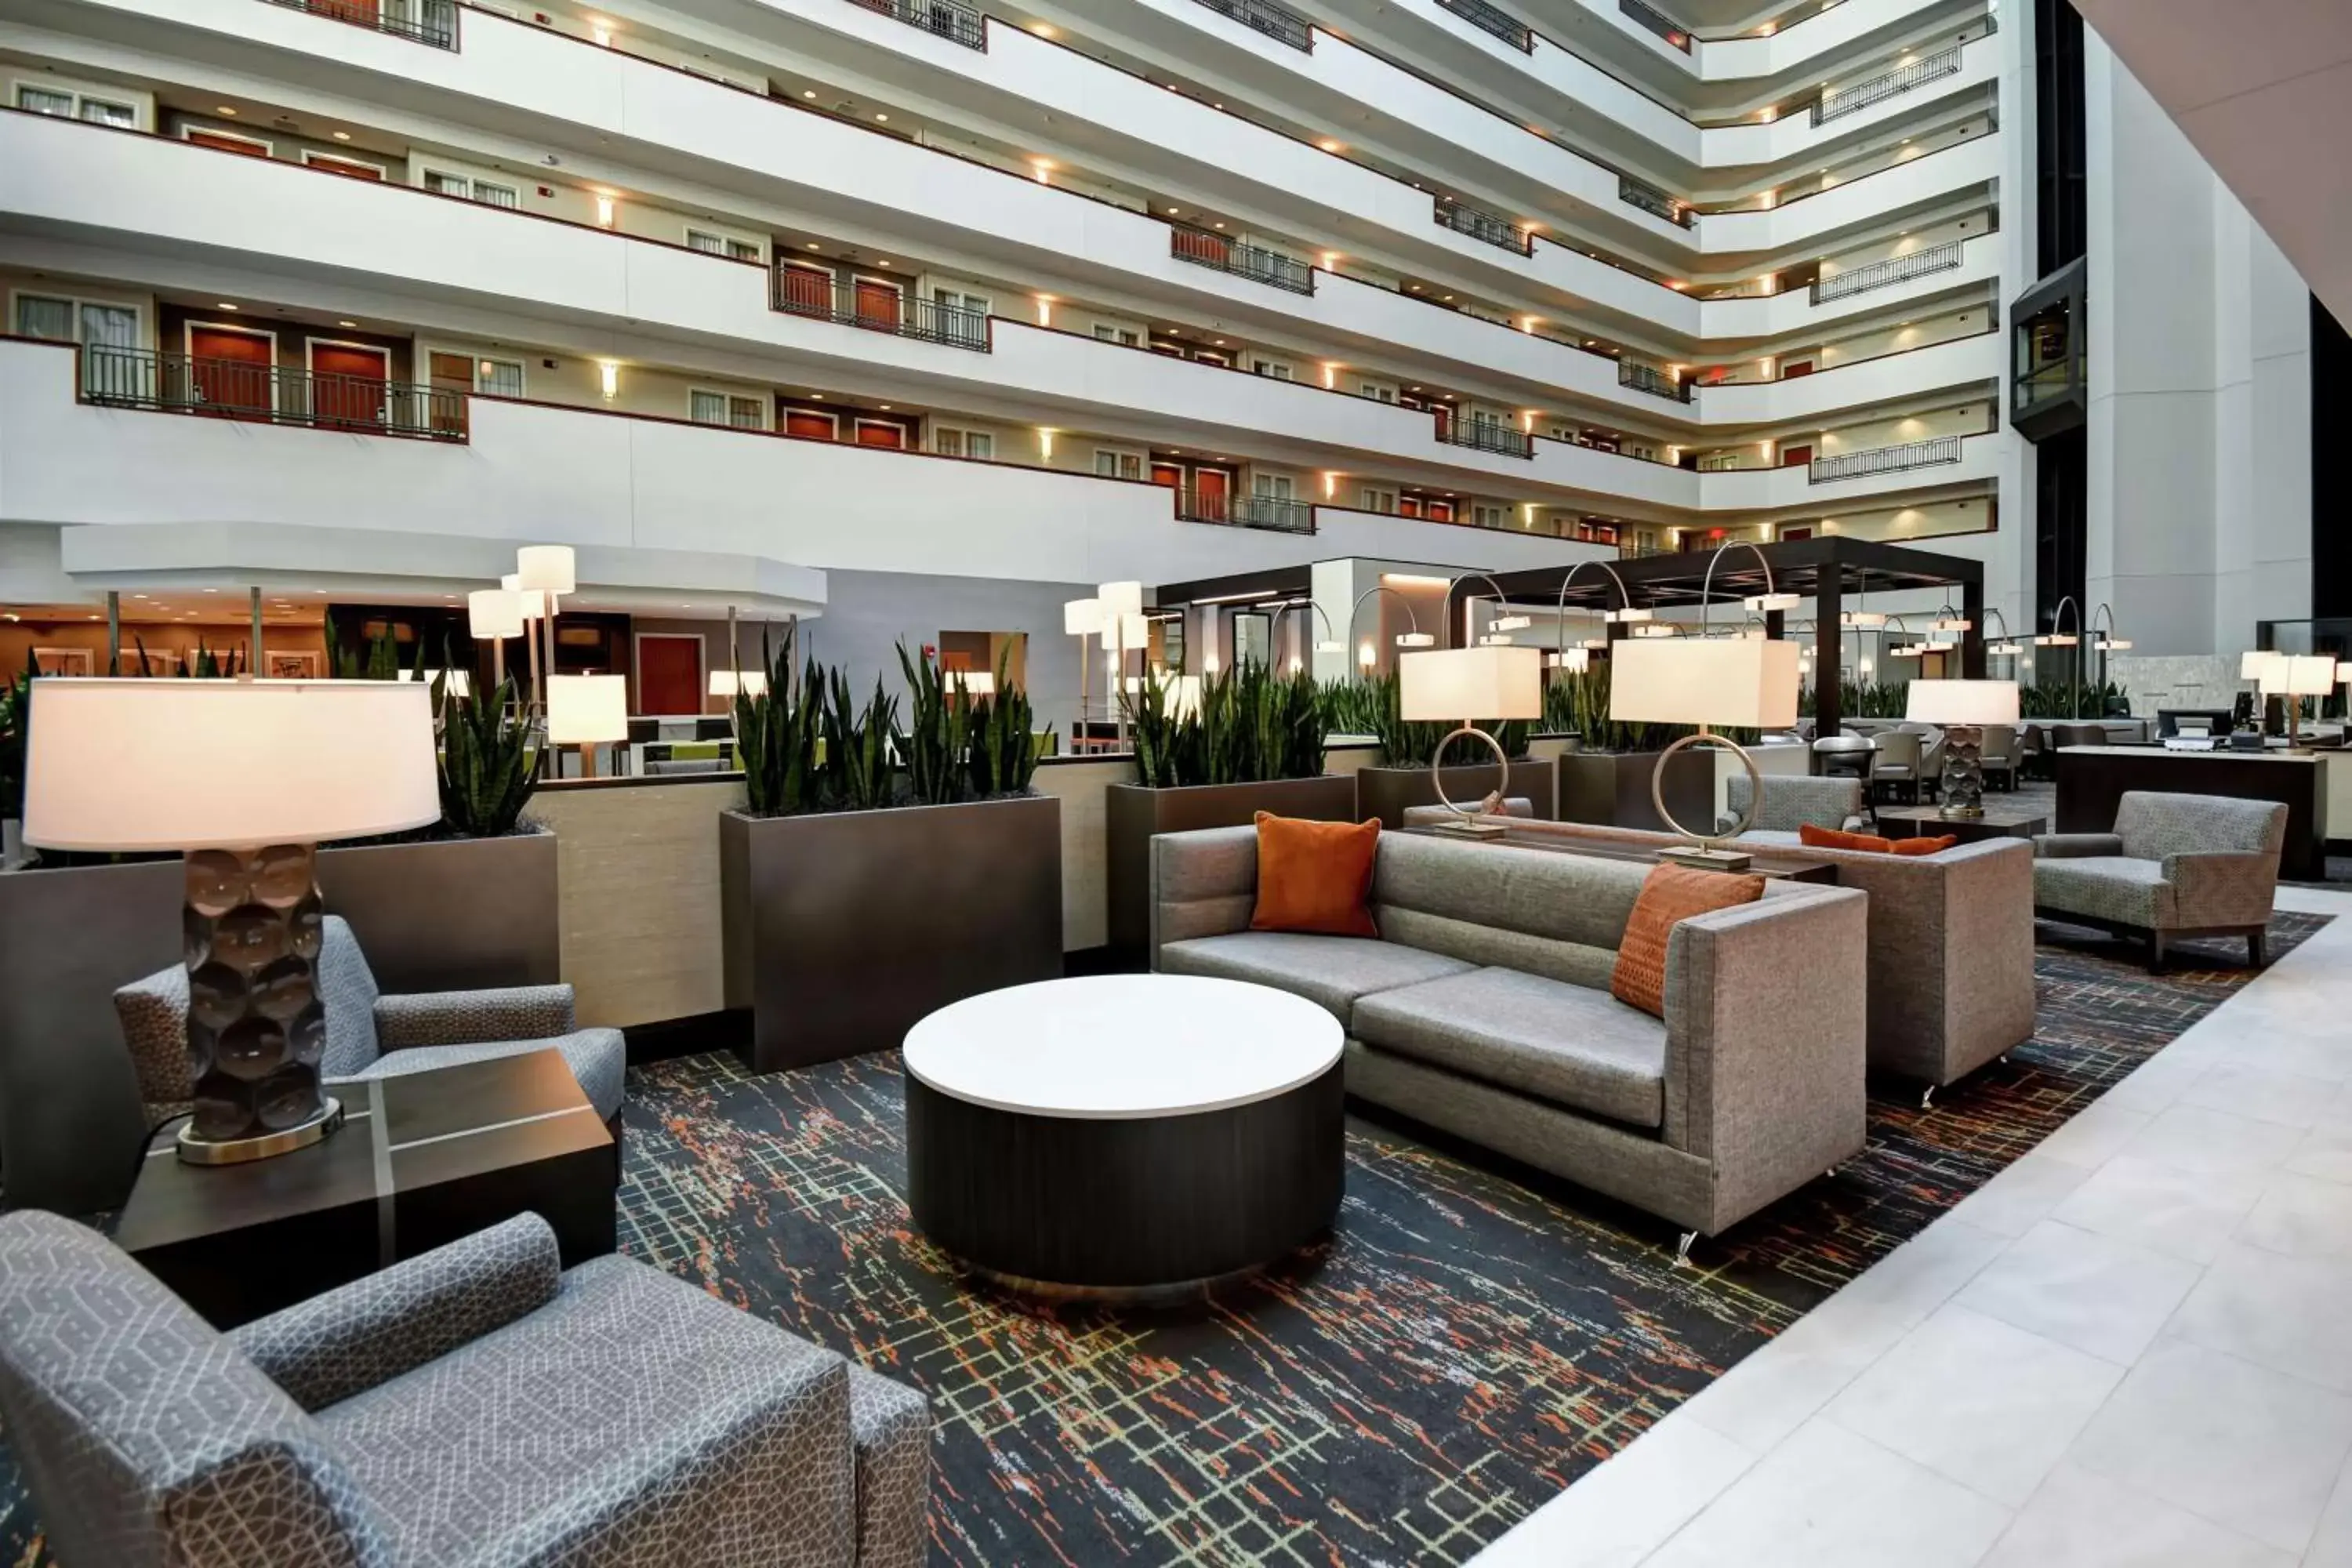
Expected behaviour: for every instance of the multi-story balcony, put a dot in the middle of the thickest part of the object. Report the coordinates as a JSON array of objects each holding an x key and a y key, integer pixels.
[
  {"x": 269, "y": 393},
  {"x": 1203, "y": 247},
  {"x": 875, "y": 308},
  {"x": 948, "y": 19},
  {"x": 506, "y": 68},
  {"x": 1908, "y": 455},
  {"x": 1772, "y": 52}
]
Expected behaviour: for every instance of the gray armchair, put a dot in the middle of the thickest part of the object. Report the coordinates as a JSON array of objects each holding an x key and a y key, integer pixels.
[
  {"x": 473, "y": 1407},
  {"x": 373, "y": 1036},
  {"x": 2176, "y": 866},
  {"x": 1792, "y": 802},
  {"x": 2000, "y": 755},
  {"x": 1896, "y": 761}
]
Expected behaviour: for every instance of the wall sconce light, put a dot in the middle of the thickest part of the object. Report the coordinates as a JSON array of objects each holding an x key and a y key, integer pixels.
[
  {"x": 604, "y": 212},
  {"x": 609, "y": 374},
  {"x": 1045, "y": 445},
  {"x": 1044, "y": 309}
]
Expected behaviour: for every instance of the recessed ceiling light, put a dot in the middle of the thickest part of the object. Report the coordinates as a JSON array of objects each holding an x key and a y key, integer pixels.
[
  {"x": 812, "y": 245},
  {"x": 352, "y": 324},
  {"x": 883, "y": 118},
  {"x": 881, "y": 264},
  {"x": 342, "y": 135},
  {"x": 223, "y": 305},
  {"x": 1171, "y": 212},
  {"x": 884, "y": 408},
  {"x": 224, "y": 108},
  {"x": 808, "y": 92},
  {"x": 1216, "y": 225}
]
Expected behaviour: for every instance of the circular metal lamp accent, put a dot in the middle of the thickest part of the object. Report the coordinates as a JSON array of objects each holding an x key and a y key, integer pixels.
[
  {"x": 1467, "y": 820},
  {"x": 1710, "y": 852}
]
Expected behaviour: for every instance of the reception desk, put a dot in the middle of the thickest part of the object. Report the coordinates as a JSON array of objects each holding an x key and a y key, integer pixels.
[{"x": 2091, "y": 779}]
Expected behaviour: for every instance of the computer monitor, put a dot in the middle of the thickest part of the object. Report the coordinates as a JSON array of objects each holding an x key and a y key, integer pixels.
[{"x": 2171, "y": 721}]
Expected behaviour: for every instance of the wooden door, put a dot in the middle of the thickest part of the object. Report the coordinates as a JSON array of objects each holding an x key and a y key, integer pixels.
[
  {"x": 812, "y": 424},
  {"x": 878, "y": 305},
  {"x": 230, "y": 373},
  {"x": 1790, "y": 534},
  {"x": 219, "y": 142},
  {"x": 804, "y": 290},
  {"x": 1168, "y": 474},
  {"x": 1213, "y": 490},
  {"x": 1441, "y": 511},
  {"x": 1796, "y": 368},
  {"x": 669, "y": 674},
  {"x": 452, "y": 377},
  {"x": 881, "y": 433},
  {"x": 1796, "y": 456},
  {"x": 1202, "y": 245},
  {"x": 350, "y": 168},
  {"x": 347, "y": 382}
]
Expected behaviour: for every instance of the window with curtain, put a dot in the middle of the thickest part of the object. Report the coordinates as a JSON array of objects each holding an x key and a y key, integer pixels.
[
  {"x": 498, "y": 377},
  {"x": 39, "y": 100},
  {"x": 98, "y": 111},
  {"x": 491, "y": 195},
  {"x": 38, "y": 316},
  {"x": 707, "y": 407}
]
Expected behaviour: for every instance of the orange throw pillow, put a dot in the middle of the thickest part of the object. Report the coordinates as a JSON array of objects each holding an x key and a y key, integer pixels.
[
  {"x": 1813, "y": 837},
  {"x": 1925, "y": 845},
  {"x": 1315, "y": 876},
  {"x": 1670, "y": 894}
]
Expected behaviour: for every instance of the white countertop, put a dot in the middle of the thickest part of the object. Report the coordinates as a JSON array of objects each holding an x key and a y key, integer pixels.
[
  {"x": 1118, "y": 1045},
  {"x": 2279, "y": 755}
]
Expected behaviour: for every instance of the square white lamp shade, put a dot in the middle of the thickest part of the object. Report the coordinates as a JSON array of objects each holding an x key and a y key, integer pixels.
[
  {"x": 532, "y": 602},
  {"x": 1083, "y": 617},
  {"x": 1127, "y": 630},
  {"x": 970, "y": 682},
  {"x": 2309, "y": 675},
  {"x": 227, "y": 764},
  {"x": 1181, "y": 692},
  {"x": 1458, "y": 685},
  {"x": 727, "y": 682},
  {"x": 494, "y": 612},
  {"x": 1119, "y": 599},
  {"x": 587, "y": 709},
  {"x": 1961, "y": 702},
  {"x": 2255, "y": 663},
  {"x": 455, "y": 682},
  {"x": 1721, "y": 682},
  {"x": 546, "y": 567}
]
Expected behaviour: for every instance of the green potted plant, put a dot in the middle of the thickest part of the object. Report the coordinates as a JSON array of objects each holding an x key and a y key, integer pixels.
[
  {"x": 1213, "y": 753},
  {"x": 882, "y": 867},
  {"x": 1403, "y": 778},
  {"x": 1607, "y": 778}
]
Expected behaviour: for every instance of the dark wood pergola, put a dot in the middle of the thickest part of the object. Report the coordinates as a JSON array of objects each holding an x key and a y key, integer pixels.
[{"x": 1824, "y": 570}]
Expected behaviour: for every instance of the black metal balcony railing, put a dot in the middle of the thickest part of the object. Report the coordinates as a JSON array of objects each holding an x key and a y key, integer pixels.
[
  {"x": 1885, "y": 460},
  {"x": 958, "y": 24},
  {"x": 1484, "y": 435},
  {"x": 1894, "y": 269},
  {"x": 244, "y": 389},
  {"x": 1484, "y": 226},
  {"x": 1277, "y": 22},
  {"x": 433, "y": 22},
  {"x": 1204, "y": 248},
  {"x": 1652, "y": 200},
  {"x": 799, "y": 291},
  {"x": 1658, "y": 22},
  {"x": 1862, "y": 95},
  {"x": 1194, "y": 504},
  {"x": 1479, "y": 14},
  {"x": 1649, "y": 379}
]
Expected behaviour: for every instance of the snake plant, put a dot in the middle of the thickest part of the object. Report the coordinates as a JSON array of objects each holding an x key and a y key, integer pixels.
[{"x": 487, "y": 777}]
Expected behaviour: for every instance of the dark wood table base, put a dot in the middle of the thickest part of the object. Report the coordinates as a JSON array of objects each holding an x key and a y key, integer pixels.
[{"x": 1128, "y": 1209}]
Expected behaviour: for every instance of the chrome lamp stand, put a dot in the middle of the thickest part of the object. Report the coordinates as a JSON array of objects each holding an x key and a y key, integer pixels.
[
  {"x": 1484, "y": 819},
  {"x": 1706, "y": 852}
]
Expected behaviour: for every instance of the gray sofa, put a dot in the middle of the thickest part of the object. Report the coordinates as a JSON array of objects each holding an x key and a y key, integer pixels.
[
  {"x": 472, "y": 1407},
  {"x": 1484, "y": 1009},
  {"x": 1791, "y": 802},
  {"x": 2175, "y": 866},
  {"x": 373, "y": 1036},
  {"x": 1950, "y": 945}
]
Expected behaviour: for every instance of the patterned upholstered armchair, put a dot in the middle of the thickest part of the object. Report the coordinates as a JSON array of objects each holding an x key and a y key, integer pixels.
[
  {"x": 472, "y": 1406},
  {"x": 372, "y": 1035},
  {"x": 1793, "y": 801},
  {"x": 2176, "y": 866}
]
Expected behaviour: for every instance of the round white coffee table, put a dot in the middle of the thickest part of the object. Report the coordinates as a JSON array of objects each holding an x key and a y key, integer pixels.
[{"x": 1126, "y": 1135}]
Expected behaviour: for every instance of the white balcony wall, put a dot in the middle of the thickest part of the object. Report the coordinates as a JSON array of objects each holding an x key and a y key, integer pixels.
[
  {"x": 1782, "y": 315},
  {"x": 1791, "y": 489},
  {"x": 1869, "y": 199},
  {"x": 1736, "y": 59},
  {"x": 570, "y": 476},
  {"x": 1921, "y": 373}
]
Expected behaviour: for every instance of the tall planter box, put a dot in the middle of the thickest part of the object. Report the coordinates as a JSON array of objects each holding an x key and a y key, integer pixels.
[
  {"x": 448, "y": 915},
  {"x": 1389, "y": 793},
  {"x": 843, "y": 930},
  {"x": 453, "y": 914},
  {"x": 1614, "y": 788},
  {"x": 1132, "y": 813}
]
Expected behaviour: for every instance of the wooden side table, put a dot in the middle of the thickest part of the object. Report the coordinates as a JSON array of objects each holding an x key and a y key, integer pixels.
[
  {"x": 422, "y": 1159},
  {"x": 1999, "y": 821}
]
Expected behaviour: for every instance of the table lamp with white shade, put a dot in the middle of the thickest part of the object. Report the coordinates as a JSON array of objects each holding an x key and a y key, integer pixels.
[
  {"x": 587, "y": 712},
  {"x": 546, "y": 571},
  {"x": 1461, "y": 686},
  {"x": 494, "y": 614},
  {"x": 1706, "y": 681},
  {"x": 969, "y": 682},
  {"x": 1082, "y": 618},
  {"x": 245, "y": 778},
  {"x": 728, "y": 682},
  {"x": 2296, "y": 676},
  {"x": 1962, "y": 707}
]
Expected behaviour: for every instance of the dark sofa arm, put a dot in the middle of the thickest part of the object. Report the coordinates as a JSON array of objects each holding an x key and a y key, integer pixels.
[
  {"x": 2074, "y": 846},
  {"x": 473, "y": 1018},
  {"x": 369, "y": 1333}
]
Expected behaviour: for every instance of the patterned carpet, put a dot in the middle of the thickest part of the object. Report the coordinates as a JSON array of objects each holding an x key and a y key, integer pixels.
[{"x": 1469, "y": 1341}]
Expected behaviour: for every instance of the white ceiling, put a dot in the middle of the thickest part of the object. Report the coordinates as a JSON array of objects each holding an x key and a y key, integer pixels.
[{"x": 2263, "y": 89}]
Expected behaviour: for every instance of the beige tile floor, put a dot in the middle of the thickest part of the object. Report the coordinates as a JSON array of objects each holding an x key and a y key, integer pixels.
[{"x": 2132, "y": 1349}]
